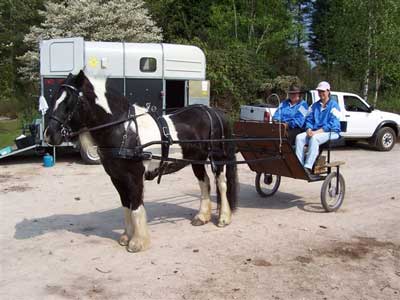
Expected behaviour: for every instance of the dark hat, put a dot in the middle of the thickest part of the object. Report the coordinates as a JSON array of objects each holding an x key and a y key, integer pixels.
[{"x": 294, "y": 89}]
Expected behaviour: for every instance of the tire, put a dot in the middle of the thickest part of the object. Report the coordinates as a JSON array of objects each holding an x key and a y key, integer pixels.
[
  {"x": 88, "y": 150},
  {"x": 329, "y": 199},
  {"x": 267, "y": 184},
  {"x": 89, "y": 155},
  {"x": 385, "y": 139}
]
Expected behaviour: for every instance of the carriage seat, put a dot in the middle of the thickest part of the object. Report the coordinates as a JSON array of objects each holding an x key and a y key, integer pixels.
[
  {"x": 322, "y": 162},
  {"x": 340, "y": 142}
]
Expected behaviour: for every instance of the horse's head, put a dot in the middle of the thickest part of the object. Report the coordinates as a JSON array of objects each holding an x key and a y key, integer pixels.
[{"x": 66, "y": 110}]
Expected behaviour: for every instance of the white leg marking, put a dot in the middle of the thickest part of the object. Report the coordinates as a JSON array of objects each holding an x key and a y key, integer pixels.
[
  {"x": 59, "y": 100},
  {"x": 204, "y": 214},
  {"x": 225, "y": 210},
  {"x": 140, "y": 239},
  {"x": 128, "y": 232},
  {"x": 99, "y": 86}
]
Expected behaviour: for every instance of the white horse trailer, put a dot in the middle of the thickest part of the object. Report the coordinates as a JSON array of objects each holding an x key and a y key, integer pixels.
[{"x": 165, "y": 76}]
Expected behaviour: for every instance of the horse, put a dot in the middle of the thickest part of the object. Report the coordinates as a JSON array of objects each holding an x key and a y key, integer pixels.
[{"x": 91, "y": 105}]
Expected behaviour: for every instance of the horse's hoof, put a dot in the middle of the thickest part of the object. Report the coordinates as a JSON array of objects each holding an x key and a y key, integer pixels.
[
  {"x": 137, "y": 245},
  {"x": 224, "y": 222},
  {"x": 198, "y": 222},
  {"x": 123, "y": 240}
]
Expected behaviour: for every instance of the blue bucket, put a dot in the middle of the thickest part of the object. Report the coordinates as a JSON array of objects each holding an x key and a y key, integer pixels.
[
  {"x": 5, "y": 150},
  {"x": 48, "y": 160}
]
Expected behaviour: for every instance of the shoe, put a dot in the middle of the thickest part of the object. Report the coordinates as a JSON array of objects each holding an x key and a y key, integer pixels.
[{"x": 310, "y": 174}]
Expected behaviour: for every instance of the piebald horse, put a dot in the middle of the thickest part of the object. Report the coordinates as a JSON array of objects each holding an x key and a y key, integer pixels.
[{"x": 86, "y": 104}]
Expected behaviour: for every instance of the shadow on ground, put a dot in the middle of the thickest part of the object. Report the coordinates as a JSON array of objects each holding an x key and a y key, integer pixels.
[
  {"x": 102, "y": 223},
  {"x": 249, "y": 198}
]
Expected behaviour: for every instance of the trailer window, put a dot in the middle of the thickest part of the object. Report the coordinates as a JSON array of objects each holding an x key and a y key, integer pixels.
[{"x": 148, "y": 64}]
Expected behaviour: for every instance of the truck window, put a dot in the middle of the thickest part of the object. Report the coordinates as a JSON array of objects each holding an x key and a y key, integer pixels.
[
  {"x": 354, "y": 104},
  {"x": 308, "y": 98},
  {"x": 148, "y": 64}
]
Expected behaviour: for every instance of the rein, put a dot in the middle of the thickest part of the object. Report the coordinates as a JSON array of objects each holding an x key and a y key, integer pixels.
[
  {"x": 66, "y": 130},
  {"x": 110, "y": 124}
]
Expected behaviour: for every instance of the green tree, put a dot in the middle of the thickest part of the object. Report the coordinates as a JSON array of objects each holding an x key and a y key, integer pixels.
[
  {"x": 16, "y": 17},
  {"x": 358, "y": 38},
  {"x": 122, "y": 20},
  {"x": 182, "y": 19},
  {"x": 243, "y": 41}
]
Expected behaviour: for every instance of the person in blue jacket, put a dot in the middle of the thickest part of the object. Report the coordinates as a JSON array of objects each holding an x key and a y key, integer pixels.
[
  {"x": 292, "y": 112},
  {"x": 322, "y": 123}
]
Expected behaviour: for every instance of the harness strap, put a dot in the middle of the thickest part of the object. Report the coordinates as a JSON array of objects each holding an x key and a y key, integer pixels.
[
  {"x": 211, "y": 145},
  {"x": 110, "y": 124},
  {"x": 135, "y": 154},
  {"x": 166, "y": 142}
]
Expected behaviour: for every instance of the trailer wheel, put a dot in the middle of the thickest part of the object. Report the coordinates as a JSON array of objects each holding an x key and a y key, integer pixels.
[
  {"x": 267, "y": 184},
  {"x": 332, "y": 192},
  {"x": 90, "y": 155},
  {"x": 88, "y": 149}
]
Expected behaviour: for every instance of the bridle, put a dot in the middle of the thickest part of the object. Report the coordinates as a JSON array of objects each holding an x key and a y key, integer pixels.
[{"x": 66, "y": 130}]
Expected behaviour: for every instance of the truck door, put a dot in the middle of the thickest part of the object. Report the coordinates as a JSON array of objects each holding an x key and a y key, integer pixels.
[{"x": 361, "y": 122}]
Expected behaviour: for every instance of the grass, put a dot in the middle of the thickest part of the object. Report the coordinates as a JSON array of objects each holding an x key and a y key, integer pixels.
[{"x": 9, "y": 130}]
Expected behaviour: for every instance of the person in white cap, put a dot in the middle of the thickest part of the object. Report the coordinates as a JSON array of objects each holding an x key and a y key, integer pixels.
[{"x": 322, "y": 123}]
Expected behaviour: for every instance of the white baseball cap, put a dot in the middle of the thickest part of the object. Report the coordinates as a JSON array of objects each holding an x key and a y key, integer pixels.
[{"x": 323, "y": 86}]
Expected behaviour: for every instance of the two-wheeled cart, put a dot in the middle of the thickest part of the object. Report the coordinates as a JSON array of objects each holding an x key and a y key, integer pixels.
[{"x": 266, "y": 149}]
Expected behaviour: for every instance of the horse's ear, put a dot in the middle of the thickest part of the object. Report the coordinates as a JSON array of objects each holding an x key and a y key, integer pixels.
[
  {"x": 79, "y": 79},
  {"x": 68, "y": 77}
]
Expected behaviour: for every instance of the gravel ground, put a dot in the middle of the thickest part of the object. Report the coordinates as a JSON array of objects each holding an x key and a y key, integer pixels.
[{"x": 59, "y": 230}]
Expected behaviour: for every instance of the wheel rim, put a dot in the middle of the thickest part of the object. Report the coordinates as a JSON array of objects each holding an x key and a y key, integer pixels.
[
  {"x": 268, "y": 184},
  {"x": 387, "y": 140},
  {"x": 92, "y": 153},
  {"x": 332, "y": 199}
]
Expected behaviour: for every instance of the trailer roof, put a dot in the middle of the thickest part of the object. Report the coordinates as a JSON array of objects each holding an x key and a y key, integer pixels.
[{"x": 59, "y": 57}]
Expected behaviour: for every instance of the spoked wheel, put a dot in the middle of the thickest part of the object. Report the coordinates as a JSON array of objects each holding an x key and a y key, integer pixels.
[
  {"x": 267, "y": 184},
  {"x": 332, "y": 192}
]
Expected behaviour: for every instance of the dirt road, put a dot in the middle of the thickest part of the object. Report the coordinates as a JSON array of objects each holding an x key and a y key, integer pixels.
[{"x": 59, "y": 230}]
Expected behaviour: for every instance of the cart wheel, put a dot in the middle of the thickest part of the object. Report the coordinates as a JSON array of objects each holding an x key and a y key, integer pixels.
[
  {"x": 331, "y": 201},
  {"x": 267, "y": 184}
]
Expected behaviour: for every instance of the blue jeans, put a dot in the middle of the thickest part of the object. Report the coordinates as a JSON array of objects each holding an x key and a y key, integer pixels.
[{"x": 313, "y": 146}]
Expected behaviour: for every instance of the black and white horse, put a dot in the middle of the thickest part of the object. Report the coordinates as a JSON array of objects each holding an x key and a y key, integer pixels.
[{"x": 84, "y": 102}]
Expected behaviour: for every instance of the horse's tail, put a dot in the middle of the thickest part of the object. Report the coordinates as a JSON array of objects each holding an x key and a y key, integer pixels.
[{"x": 231, "y": 170}]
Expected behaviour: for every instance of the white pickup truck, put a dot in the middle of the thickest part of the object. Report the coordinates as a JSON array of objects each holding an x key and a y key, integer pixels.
[{"x": 362, "y": 121}]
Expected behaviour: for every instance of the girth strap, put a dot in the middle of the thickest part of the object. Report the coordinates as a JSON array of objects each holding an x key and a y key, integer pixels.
[
  {"x": 166, "y": 142},
  {"x": 211, "y": 149}
]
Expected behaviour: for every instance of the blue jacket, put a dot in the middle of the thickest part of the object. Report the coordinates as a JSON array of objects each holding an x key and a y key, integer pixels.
[
  {"x": 328, "y": 118},
  {"x": 294, "y": 115}
]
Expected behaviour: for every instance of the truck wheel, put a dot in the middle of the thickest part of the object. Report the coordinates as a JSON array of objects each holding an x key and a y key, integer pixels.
[{"x": 385, "y": 139}]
